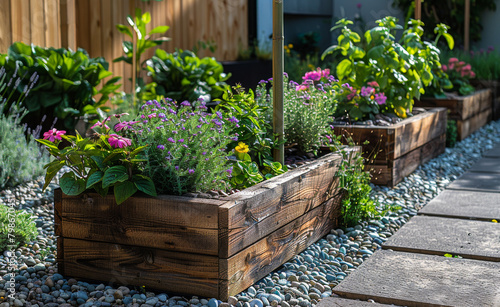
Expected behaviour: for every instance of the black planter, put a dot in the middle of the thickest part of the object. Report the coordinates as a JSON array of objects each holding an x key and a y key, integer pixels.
[{"x": 248, "y": 73}]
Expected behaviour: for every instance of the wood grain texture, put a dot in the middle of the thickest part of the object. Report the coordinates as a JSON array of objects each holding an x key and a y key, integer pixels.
[
  {"x": 5, "y": 25},
  {"x": 68, "y": 24},
  {"x": 256, "y": 261},
  {"x": 52, "y": 23},
  {"x": 37, "y": 22},
  {"x": 172, "y": 223},
  {"x": 175, "y": 272},
  {"x": 58, "y": 211},
  {"x": 259, "y": 210},
  {"x": 472, "y": 124}
]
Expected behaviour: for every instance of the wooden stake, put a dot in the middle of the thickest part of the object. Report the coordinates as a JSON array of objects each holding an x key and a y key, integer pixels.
[
  {"x": 418, "y": 9},
  {"x": 278, "y": 63},
  {"x": 466, "y": 25}
]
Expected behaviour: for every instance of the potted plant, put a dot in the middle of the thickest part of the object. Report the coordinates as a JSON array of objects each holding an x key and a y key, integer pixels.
[
  {"x": 378, "y": 81},
  {"x": 197, "y": 240},
  {"x": 467, "y": 108}
]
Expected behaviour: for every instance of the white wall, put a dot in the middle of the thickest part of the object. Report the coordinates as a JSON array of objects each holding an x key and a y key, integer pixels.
[
  {"x": 490, "y": 35},
  {"x": 264, "y": 23}
]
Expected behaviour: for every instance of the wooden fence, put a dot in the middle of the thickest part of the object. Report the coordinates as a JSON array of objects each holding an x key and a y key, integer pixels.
[{"x": 90, "y": 24}]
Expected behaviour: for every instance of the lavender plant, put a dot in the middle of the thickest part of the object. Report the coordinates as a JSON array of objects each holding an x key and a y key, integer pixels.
[
  {"x": 187, "y": 151},
  {"x": 308, "y": 108}
]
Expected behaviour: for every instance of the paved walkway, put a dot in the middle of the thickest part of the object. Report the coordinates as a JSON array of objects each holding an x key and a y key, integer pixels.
[{"x": 411, "y": 269}]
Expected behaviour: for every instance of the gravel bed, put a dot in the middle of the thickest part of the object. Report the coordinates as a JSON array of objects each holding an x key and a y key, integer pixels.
[{"x": 303, "y": 281}]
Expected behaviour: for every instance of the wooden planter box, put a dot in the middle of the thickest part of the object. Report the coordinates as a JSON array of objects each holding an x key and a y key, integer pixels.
[
  {"x": 394, "y": 152},
  {"x": 470, "y": 112},
  {"x": 205, "y": 247},
  {"x": 494, "y": 86}
]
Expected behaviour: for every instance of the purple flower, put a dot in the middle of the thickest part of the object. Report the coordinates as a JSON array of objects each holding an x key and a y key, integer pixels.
[
  {"x": 184, "y": 145},
  {"x": 262, "y": 82},
  {"x": 143, "y": 116},
  {"x": 149, "y": 102},
  {"x": 204, "y": 153},
  {"x": 99, "y": 124},
  {"x": 180, "y": 141},
  {"x": 171, "y": 140},
  {"x": 270, "y": 79},
  {"x": 185, "y": 103},
  {"x": 366, "y": 91},
  {"x": 191, "y": 171},
  {"x": 159, "y": 127},
  {"x": 174, "y": 132},
  {"x": 161, "y": 147},
  {"x": 217, "y": 122},
  {"x": 117, "y": 141},
  {"x": 234, "y": 138},
  {"x": 176, "y": 167},
  {"x": 206, "y": 159},
  {"x": 151, "y": 115},
  {"x": 219, "y": 114},
  {"x": 199, "y": 126},
  {"x": 230, "y": 170},
  {"x": 161, "y": 115},
  {"x": 380, "y": 98},
  {"x": 234, "y": 120}
]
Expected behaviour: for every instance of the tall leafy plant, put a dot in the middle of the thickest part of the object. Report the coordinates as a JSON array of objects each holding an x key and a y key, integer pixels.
[{"x": 67, "y": 82}]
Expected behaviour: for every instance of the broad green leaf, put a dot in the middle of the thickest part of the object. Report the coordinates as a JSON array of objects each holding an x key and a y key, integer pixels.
[
  {"x": 52, "y": 169},
  {"x": 144, "y": 184},
  {"x": 123, "y": 190},
  {"x": 71, "y": 185},
  {"x": 124, "y": 29},
  {"x": 449, "y": 40},
  {"x": 159, "y": 29},
  {"x": 344, "y": 68},
  {"x": 114, "y": 174},
  {"x": 94, "y": 178},
  {"x": 47, "y": 143}
]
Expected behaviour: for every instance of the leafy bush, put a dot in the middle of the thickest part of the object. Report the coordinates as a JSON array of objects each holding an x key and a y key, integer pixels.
[
  {"x": 307, "y": 109},
  {"x": 400, "y": 69},
  {"x": 183, "y": 76},
  {"x": 67, "y": 82},
  {"x": 16, "y": 226},
  {"x": 107, "y": 160},
  {"x": 485, "y": 63},
  {"x": 459, "y": 74},
  {"x": 451, "y": 133},
  {"x": 187, "y": 148}
]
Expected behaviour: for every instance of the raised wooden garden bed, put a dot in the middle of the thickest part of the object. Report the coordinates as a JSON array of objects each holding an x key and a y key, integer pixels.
[
  {"x": 470, "y": 112},
  {"x": 205, "y": 247},
  {"x": 494, "y": 86},
  {"x": 395, "y": 151}
]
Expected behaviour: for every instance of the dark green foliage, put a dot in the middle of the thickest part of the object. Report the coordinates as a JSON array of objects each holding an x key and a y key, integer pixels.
[
  {"x": 17, "y": 227},
  {"x": 183, "y": 76},
  {"x": 67, "y": 82},
  {"x": 451, "y": 133}
]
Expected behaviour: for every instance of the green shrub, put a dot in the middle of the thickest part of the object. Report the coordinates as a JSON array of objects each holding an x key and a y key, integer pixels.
[
  {"x": 451, "y": 133},
  {"x": 67, "y": 82},
  {"x": 183, "y": 76},
  {"x": 17, "y": 227}
]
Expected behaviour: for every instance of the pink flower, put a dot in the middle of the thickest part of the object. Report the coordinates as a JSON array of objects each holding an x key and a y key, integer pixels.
[
  {"x": 373, "y": 84},
  {"x": 452, "y": 60},
  {"x": 99, "y": 124},
  {"x": 467, "y": 67},
  {"x": 120, "y": 115},
  {"x": 301, "y": 87},
  {"x": 366, "y": 91},
  {"x": 117, "y": 141},
  {"x": 325, "y": 73},
  {"x": 358, "y": 5},
  {"x": 472, "y": 75},
  {"x": 380, "y": 98},
  {"x": 53, "y": 135},
  {"x": 121, "y": 126},
  {"x": 444, "y": 67},
  {"x": 313, "y": 75}
]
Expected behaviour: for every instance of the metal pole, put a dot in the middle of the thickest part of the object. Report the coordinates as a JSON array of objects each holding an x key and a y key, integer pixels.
[
  {"x": 466, "y": 25},
  {"x": 278, "y": 63}
]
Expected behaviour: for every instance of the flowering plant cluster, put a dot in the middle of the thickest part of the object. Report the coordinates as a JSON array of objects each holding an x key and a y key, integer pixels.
[
  {"x": 459, "y": 74},
  {"x": 366, "y": 102},
  {"x": 187, "y": 149},
  {"x": 308, "y": 108},
  {"x": 105, "y": 160}
]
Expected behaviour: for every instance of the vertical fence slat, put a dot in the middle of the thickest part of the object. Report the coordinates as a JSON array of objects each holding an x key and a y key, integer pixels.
[
  {"x": 52, "y": 30},
  {"x": 118, "y": 17},
  {"x": 37, "y": 22},
  {"x": 5, "y": 26},
  {"x": 68, "y": 24},
  {"x": 83, "y": 24},
  {"x": 95, "y": 28}
]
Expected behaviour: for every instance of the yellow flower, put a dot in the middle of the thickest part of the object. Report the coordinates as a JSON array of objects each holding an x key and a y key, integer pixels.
[
  {"x": 241, "y": 148},
  {"x": 311, "y": 66},
  {"x": 290, "y": 46},
  {"x": 494, "y": 221}
]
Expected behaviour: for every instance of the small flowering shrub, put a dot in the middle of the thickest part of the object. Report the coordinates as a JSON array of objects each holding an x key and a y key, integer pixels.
[
  {"x": 106, "y": 160},
  {"x": 188, "y": 146},
  {"x": 307, "y": 109},
  {"x": 354, "y": 103},
  {"x": 459, "y": 74},
  {"x": 251, "y": 126},
  {"x": 17, "y": 227}
]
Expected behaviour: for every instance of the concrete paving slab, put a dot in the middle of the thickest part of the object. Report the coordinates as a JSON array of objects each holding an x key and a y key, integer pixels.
[
  {"x": 464, "y": 204},
  {"x": 439, "y": 236},
  {"x": 493, "y": 153},
  {"x": 481, "y": 182},
  {"x": 409, "y": 279},
  {"x": 342, "y": 302},
  {"x": 486, "y": 165}
]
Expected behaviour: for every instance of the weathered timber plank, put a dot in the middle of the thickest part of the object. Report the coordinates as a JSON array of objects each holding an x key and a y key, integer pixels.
[
  {"x": 259, "y": 210},
  {"x": 393, "y": 172},
  {"x": 474, "y": 123},
  {"x": 439, "y": 235},
  {"x": 465, "y": 205},
  {"x": 419, "y": 130},
  {"x": 406, "y": 164},
  {"x": 256, "y": 261},
  {"x": 408, "y": 279},
  {"x": 460, "y": 107},
  {"x": 377, "y": 142},
  {"x": 496, "y": 108},
  {"x": 175, "y": 272},
  {"x": 168, "y": 222}
]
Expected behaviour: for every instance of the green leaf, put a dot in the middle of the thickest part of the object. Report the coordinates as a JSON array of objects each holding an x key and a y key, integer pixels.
[
  {"x": 125, "y": 30},
  {"x": 52, "y": 169},
  {"x": 94, "y": 178},
  {"x": 144, "y": 184},
  {"x": 47, "y": 143},
  {"x": 159, "y": 29},
  {"x": 114, "y": 174},
  {"x": 344, "y": 68},
  {"x": 124, "y": 190},
  {"x": 70, "y": 185},
  {"x": 449, "y": 40}
]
